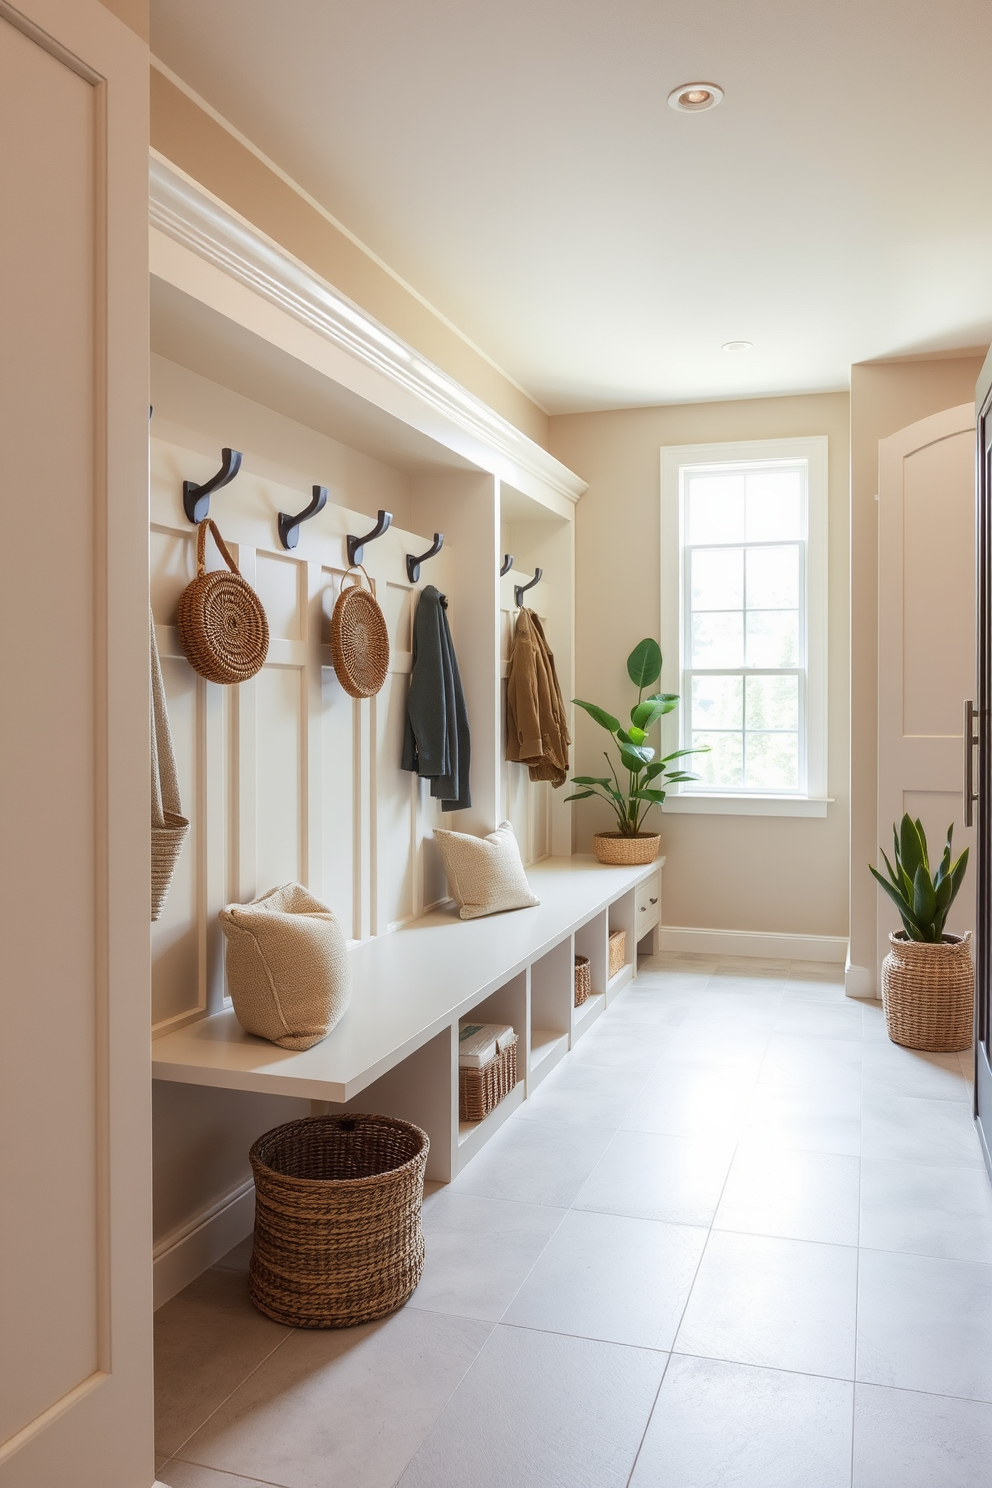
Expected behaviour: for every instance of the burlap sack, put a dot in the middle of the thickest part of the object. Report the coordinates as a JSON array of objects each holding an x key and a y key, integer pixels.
[{"x": 287, "y": 966}]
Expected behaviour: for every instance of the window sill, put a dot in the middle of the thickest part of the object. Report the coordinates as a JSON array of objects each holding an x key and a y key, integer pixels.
[{"x": 717, "y": 805}]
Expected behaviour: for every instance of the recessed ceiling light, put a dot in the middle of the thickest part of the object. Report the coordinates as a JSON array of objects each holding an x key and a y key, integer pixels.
[
  {"x": 692, "y": 98},
  {"x": 737, "y": 346}
]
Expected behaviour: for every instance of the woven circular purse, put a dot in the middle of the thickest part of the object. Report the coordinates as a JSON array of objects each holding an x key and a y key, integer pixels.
[
  {"x": 222, "y": 624},
  {"x": 359, "y": 639}
]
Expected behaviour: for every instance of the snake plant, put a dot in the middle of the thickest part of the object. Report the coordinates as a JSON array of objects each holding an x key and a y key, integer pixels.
[
  {"x": 921, "y": 899},
  {"x": 645, "y": 774}
]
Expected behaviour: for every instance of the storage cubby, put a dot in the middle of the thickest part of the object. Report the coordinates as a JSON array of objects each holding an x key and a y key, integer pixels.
[
  {"x": 551, "y": 995},
  {"x": 622, "y": 913},
  {"x": 590, "y": 940},
  {"x": 508, "y": 1004}
]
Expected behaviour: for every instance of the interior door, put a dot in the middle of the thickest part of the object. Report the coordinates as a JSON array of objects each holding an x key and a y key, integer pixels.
[
  {"x": 926, "y": 637},
  {"x": 75, "y": 1089},
  {"x": 983, "y": 780}
]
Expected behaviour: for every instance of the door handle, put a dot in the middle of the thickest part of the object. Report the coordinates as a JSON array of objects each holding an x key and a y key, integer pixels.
[{"x": 971, "y": 716}]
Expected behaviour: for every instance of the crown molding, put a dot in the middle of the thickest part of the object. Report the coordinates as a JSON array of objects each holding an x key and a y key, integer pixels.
[{"x": 200, "y": 222}]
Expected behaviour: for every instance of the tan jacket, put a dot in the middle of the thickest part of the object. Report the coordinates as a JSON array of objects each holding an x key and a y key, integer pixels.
[{"x": 536, "y": 727}]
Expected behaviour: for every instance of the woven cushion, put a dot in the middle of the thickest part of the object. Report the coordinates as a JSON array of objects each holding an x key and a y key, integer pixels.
[
  {"x": 287, "y": 966},
  {"x": 485, "y": 874}
]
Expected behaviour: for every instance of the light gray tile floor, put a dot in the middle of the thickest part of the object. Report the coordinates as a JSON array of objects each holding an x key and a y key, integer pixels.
[{"x": 737, "y": 1238}]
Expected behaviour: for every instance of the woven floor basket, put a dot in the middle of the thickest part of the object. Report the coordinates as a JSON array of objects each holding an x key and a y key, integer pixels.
[
  {"x": 222, "y": 624},
  {"x": 337, "y": 1219},
  {"x": 626, "y": 852},
  {"x": 359, "y": 640},
  {"x": 481, "y": 1090},
  {"x": 928, "y": 993},
  {"x": 618, "y": 952},
  {"x": 583, "y": 980}
]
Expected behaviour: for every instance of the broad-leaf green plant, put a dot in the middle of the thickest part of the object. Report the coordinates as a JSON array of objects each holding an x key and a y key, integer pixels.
[
  {"x": 646, "y": 776},
  {"x": 922, "y": 899}
]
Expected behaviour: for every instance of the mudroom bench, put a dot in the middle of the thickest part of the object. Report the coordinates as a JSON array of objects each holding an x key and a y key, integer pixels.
[{"x": 395, "y": 1050}]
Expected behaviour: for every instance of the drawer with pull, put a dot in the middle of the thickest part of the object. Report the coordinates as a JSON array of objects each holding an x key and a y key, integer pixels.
[{"x": 647, "y": 905}]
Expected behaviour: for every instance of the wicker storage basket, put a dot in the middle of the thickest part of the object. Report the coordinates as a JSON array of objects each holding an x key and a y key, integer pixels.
[
  {"x": 481, "y": 1090},
  {"x": 222, "y": 624},
  {"x": 359, "y": 639},
  {"x": 618, "y": 951},
  {"x": 626, "y": 852},
  {"x": 583, "y": 980},
  {"x": 337, "y": 1219},
  {"x": 928, "y": 993}
]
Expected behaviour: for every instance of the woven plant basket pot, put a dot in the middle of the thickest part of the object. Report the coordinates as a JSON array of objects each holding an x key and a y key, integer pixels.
[
  {"x": 359, "y": 639},
  {"x": 626, "y": 852},
  {"x": 928, "y": 993},
  {"x": 583, "y": 980},
  {"x": 222, "y": 624},
  {"x": 337, "y": 1219}
]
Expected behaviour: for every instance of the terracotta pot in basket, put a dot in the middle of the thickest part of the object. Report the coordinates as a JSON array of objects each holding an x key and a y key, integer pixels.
[
  {"x": 928, "y": 992},
  {"x": 626, "y": 852}
]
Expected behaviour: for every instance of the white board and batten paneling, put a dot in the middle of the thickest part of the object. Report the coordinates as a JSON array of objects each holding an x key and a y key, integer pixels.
[
  {"x": 926, "y": 636},
  {"x": 75, "y": 1234}
]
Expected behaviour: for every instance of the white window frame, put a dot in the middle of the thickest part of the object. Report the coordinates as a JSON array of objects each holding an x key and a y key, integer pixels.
[{"x": 675, "y": 461}]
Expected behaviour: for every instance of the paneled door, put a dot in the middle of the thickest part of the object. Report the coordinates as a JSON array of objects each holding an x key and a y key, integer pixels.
[
  {"x": 978, "y": 790},
  {"x": 75, "y": 1076},
  {"x": 926, "y": 636}
]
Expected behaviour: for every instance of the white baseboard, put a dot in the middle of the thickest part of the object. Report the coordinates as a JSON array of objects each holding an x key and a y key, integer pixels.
[
  {"x": 760, "y": 943},
  {"x": 181, "y": 1257},
  {"x": 859, "y": 981}
]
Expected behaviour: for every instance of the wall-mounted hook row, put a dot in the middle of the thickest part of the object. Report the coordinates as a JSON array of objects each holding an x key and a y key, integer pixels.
[
  {"x": 413, "y": 564},
  {"x": 196, "y": 499},
  {"x": 507, "y": 565},
  {"x": 519, "y": 590},
  {"x": 356, "y": 545},
  {"x": 289, "y": 527}
]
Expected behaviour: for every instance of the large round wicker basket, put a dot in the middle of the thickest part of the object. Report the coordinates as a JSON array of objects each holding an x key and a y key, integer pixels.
[
  {"x": 338, "y": 1239},
  {"x": 928, "y": 992},
  {"x": 626, "y": 852},
  {"x": 359, "y": 639}
]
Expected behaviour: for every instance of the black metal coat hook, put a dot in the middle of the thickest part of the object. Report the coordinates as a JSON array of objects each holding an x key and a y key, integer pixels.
[
  {"x": 356, "y": 544},
  {"x": 289, "y": 527},
  {"x": 413, "y": 564},
  {"x": 196, "y": 499},
  {"x": 507, "y": 565},
  {"x": 519, "y": 590}
]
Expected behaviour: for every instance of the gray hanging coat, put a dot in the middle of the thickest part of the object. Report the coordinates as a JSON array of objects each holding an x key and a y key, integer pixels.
[{"x": 437, "y": 745}]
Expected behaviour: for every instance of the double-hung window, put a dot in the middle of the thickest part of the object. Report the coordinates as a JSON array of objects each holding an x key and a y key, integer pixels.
[{"x": 744, "y": 623}]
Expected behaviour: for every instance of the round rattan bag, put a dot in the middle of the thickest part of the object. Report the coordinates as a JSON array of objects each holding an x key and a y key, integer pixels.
[
  {"x": 222, "y": 624},
  {"x": 359, "y": 639}
]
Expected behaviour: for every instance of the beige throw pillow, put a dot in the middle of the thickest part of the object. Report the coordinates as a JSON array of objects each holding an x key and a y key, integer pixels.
[
  {"x": 485, "y": 874},
  {"x": 287, "y": 966}
]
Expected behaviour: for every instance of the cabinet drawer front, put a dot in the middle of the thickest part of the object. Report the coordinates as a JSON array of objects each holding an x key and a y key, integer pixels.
[{"x": 648, "y": 904}]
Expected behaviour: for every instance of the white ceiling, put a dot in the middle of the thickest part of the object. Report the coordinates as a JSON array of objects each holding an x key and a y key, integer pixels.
[{"x": 518, "y": 164}]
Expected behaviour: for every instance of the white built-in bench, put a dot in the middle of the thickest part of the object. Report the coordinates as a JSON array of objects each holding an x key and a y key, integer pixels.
[{"x": 395, "y": 1050}]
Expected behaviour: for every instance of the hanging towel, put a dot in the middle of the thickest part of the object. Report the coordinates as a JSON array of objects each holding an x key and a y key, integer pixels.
[
  {"x": 536, "y": 723},
  {"x": 169, "y": 826},
  {"x": 436, "y": 744}
]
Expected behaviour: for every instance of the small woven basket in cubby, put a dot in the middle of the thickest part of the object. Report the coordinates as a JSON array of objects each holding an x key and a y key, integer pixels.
[
  {"x": 618, "y": 951},
  {"x": 338, "y": 1239},
  {"x": 583, "y": 980},
  {"x": 481, "y": 1090}
]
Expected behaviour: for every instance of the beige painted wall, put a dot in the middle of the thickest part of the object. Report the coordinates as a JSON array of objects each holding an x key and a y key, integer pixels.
[
  {"x": 133, "y": 13},
  {"x": 191, "y": 139},
  {"x": 885, "y": 397},
  {"x": 723, "y": 872}
]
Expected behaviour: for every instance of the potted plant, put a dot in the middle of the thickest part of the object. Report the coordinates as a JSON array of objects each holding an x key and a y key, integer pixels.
[
  {"x": 646, "y": 776},
  {"x": 928, "y": 980}
]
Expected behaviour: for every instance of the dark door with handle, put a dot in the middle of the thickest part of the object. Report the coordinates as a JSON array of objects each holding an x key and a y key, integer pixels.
[{"x": 978, "y": 771}]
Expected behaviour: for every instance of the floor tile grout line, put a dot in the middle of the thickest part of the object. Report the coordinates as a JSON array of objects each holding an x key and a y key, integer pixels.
[
  {"x": 230, "y": 1395},
  {"x": 235, "y": 1477}
]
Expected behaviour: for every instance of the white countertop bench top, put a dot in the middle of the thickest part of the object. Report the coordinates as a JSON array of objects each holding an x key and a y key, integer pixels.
[{"x": 407, "y": 986}]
